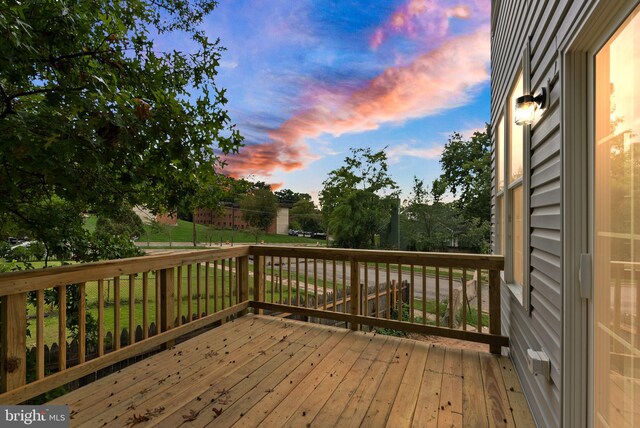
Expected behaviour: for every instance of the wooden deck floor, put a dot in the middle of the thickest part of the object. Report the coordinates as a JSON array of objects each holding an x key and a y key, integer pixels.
[{"x": 269, "y": 371}]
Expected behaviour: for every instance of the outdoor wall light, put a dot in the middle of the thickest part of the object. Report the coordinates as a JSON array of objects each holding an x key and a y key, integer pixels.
[{"x": 526, "y": 106}]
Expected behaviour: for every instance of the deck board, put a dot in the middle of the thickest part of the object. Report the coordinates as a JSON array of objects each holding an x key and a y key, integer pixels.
[{"x": 268, "y": 371}]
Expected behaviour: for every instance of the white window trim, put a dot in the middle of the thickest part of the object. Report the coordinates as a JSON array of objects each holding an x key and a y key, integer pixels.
[
  {"x": 520, "y": 292},
  {"x": 598, "y": 22}
]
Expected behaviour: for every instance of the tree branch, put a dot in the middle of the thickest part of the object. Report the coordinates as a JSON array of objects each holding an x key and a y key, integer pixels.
[{"x": 42, "y": 91}]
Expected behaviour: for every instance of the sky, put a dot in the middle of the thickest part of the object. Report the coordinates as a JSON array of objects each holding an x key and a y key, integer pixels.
[{"x": 307, "y": 80}]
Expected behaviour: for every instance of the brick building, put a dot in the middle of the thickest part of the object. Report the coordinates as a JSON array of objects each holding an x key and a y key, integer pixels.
[{"x": 231, "y": 218}]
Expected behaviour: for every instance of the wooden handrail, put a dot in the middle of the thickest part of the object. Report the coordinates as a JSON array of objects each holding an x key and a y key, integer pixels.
[
  {"x": 38, "y": 279},
  {"x": 455, "y": 260}
]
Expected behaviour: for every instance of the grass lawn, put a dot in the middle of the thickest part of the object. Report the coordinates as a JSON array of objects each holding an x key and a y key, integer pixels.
[{"x": 183, "y": 232}]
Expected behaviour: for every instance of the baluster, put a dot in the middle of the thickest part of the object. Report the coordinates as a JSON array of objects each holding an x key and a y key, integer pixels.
[
  {"x": 215, "y": 283},
  {"x": 324, "y": 284},
  {"x": 101, "y": 317},
  {"x": 280, "y": 279},
  {"x": 272, "y": 281},
  {"x": 145, "y": 305},
  {"x": 258, "y": 281},
  {"x": 355, "y": 292},
  {"x": 116, "y": 312},
  {"x": 231, "y": 283},
  {"x": 189, "y": 291},
  {"x": 335, "y": 288},
  {"x": 365, "y": 293},
  {"x": 315, "y": 283},
  {"x": 207, "y": 297},
  {"x": 399, "y": 296},
  {"x": 198, "y": 291},
  {"x": 463, "y": 282},
  {"x": 451, "y": 303},
  {"x": 344, "y": 286},
  {"x": 438, "y": 296},
  {"x": 40, "y": 334},
  {"x": 62, "y": 327},
  {"x": 132, "y": 309},
  {"x": 242, "y": 274},
  {"x": 82, "y": 323},
  {"x": 167, "y": 303},
  {"x": 424, "y": 294},
  {"x": 222, "y": 281},
  {"x": 179, "y": 296},
  {"x": 411, "y": 292},
  {"x": 388, "y": 291},
  {"x": 297, "y": 281},
  {"x": 479, "y": 299},
  {"x": 289, "y": 280},
  {"x": 158, "y": 304},
  {"x": 306, "y": 283},
  {"x": 238, "y": 276}
]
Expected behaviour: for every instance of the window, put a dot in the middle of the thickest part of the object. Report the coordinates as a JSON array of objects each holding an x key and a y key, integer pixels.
[
  {"x": 510, "y": 202},
  {"x": 515, "y": 147},
  {"x": 499, "y": 245}
]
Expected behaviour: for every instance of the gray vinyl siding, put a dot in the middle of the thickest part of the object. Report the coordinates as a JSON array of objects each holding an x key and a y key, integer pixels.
[{"x": 543, "y": 24}]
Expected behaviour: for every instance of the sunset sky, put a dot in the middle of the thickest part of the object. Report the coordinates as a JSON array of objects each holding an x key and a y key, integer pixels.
[{"x": 307, "y": 80}]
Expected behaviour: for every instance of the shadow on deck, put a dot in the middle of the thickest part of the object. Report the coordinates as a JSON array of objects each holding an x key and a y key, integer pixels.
[{"x": 269, "y": 371}]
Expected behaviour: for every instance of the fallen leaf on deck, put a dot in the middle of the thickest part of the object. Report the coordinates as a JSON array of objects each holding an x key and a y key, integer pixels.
[{"x": 191, "y": 416}]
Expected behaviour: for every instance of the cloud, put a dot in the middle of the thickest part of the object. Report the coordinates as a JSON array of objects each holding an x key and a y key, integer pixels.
[
  {"x": 276, "y": 186},
  {"x": 443, "y": 78},
  {"x": 263, "y": 159},
  {"x": 397, "y": 152},
  {"x": 425, "y": 19}
]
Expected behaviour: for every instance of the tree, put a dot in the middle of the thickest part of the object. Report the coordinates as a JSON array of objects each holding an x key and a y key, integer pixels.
[
  {"x": 96, "y": 117},
  {"x": 235, "y": 189},
  {"x": 288, "y": 196},
  {"x": 259, "y": 209},
  {"x": 466, "y": 172},
  {"x": 357, "y": 199},
  {"x": 123, "y": 223},
  {"x": 466, "y": 167},
  {"x": 427, "y": 223},
  {"x": 305, "y": 216}
]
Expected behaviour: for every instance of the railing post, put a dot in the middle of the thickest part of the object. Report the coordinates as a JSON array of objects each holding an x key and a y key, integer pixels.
[
  {"x": 495, "y": 326},
  {"x": 14, "y": 341},
  {"x": 258, "y": 281},
  {"x": 242, "y": 270},
  {"x": 355, "y": 292},
  {"x": 167, "y": 302}
]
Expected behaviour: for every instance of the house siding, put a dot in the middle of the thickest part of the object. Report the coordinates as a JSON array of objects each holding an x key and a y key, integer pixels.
[{"x": 542, "y": 24}]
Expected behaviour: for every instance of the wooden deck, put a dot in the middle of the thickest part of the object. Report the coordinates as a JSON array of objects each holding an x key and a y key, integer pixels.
[{"x": 269, "y": 371}]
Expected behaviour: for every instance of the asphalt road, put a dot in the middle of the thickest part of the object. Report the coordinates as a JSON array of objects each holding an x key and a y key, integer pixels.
[{"x": 382, "y": 275}]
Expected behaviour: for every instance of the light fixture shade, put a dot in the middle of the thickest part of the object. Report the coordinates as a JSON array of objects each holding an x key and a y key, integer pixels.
[
  {"x": 526, "y": 106},
  {"x": 525, "y": 110}
]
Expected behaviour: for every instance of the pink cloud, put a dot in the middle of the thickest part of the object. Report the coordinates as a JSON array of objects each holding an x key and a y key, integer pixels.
[
  {"x": 438, "y": 80},
  {"x": 425, "y": 19},
  {"x": 263, "y": 159}
]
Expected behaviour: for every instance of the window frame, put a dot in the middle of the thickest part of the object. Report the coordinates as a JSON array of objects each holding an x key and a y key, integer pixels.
[{"x": 504, "y": 220}]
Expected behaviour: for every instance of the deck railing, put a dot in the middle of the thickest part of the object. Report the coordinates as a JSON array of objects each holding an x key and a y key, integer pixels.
[
  {"x": 442, "y": 294},
  {"x": 146, "y": 303},
  {"x": 161, "y": 297}
]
